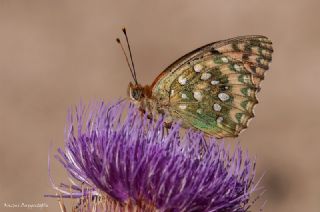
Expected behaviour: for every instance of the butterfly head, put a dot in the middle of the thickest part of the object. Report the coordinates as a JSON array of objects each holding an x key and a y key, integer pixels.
[{"x": 137, "y": 92}]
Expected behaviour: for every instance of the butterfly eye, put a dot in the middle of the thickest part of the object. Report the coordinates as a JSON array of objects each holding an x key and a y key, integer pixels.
[{"x": 136, "y": 94}]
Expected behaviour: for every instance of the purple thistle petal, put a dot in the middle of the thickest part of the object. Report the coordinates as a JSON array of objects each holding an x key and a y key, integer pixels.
[{"x": 131, "y": 160}]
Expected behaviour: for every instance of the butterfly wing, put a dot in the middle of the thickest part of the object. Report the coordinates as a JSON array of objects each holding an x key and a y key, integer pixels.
[{"x": 214, "y": 88}]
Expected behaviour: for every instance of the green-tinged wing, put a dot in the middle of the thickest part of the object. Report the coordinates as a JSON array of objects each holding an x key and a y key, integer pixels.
[{"x": 214, "y": 87}]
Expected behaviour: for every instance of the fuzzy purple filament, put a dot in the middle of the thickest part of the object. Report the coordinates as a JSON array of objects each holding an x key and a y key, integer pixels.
[{"x": 117, "y": 152}]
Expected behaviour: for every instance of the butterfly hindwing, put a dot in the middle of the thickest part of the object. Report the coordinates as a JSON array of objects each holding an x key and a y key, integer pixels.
[{"x": 214, "y": 87}]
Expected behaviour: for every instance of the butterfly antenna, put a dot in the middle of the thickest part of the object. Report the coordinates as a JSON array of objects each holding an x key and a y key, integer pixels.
[
  {"x": 132, "y": 73},
  {"x": 134, "y": 70}
]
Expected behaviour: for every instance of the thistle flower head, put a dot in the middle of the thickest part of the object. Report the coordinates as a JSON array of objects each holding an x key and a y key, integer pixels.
[{"x": 118, "y": 160}]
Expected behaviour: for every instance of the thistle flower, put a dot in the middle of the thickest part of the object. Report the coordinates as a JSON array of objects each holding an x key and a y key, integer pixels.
[{"x": 119, "y": 160}]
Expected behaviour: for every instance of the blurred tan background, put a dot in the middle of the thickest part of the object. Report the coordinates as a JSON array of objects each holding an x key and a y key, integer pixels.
[{"x": 55, "y": 53}]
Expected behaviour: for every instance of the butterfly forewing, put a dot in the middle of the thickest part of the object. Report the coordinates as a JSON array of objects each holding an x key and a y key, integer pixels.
[{"x": 214, "y": 87}]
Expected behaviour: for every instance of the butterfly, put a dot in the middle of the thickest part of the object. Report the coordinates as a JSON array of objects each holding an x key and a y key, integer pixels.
[{"x": 212, "y": 89}]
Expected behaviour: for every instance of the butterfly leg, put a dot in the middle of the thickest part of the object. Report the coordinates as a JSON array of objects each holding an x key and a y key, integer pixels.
[
  {"x": 167, "y": 125},
  {"x": 143, "y": 111}
]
